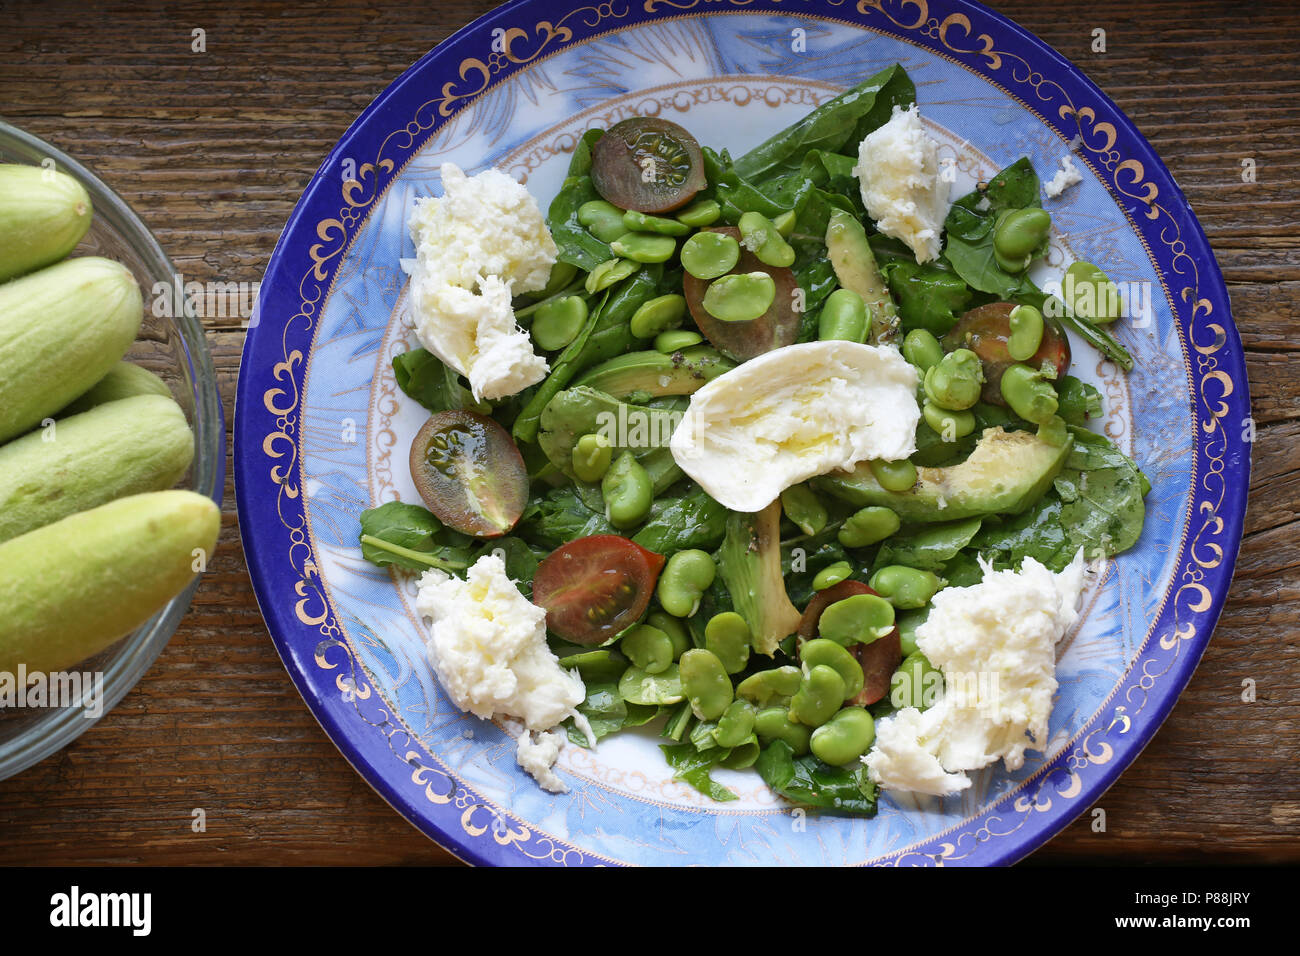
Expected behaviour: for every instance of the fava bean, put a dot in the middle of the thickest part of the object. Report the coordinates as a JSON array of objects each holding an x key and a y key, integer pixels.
[
  {"x": 657, "y": 315},
  {"x": 739, "y": 296},
  {"x": 1026, "y": 324},
  {"x": 803, "y": 507},
  {"x": 608, "y": 273},
  {"x": 603, "y": 220},
  {"x": 644, "y": 247},
  {"x": 894, "y": 475},
  {"x": 638, "y": 687},
  {"x": 707, "y": 255},
  {"x": 907, "y": 623},
  {"x": 705, "y": 683},
  {"x": 819, "y": 695},
  {"x": 867, "y": 526},
  {"x": 922, "y": 349},
  {"x": 1028, "y": 394},
  {"x": 860, "y": 619},
  {"x": 558, "y": 322},
  {"x": 596, "y": 666},
  {"x": 643, "y": 222},
  {"x": 949, "y": 425},
  {"x": 683, "y": 581},
  {"x": 1054, "y": 432},
  {"x": 735, "y": 724},
  {"x": 1018, "y": 235},
  {"x": 776, "y": 685},
  {"x": 785, "y": 223},
  {"x": 955, "y": 382},
  {"x": 704, "y": 212},
  {"x": 843, "y": 317},
  {"x": 562, "y": 273},
  {"x": 761, "y": 237},
  {"x": 917, "y": 683},
  {"x": 844, "y": 738},
  {"x": 905, "y": 587},
  {"x": 628, "y": 492},
  {"x": 676, "y": 340},
  {"x": 774, "y": 723},
  {"x": 671, "y": 626},
  {"x": 647, "y": 648},
  {"x": 1090, "y": 293},
  {"x": 728, "y": 637},
  {"x": 821, "y": 652},
  {"x": 832, "y": 575},
  {"x": 591, "y": 457}
]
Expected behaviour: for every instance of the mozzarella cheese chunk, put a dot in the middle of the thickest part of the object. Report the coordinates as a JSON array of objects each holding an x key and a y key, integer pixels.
[
  {"x": 898, "y": 168},
  {"x": 487, "y": 645},
  {"x": 793, "y": 413},
  {"x": 476, "y": 246},
  {"x": 1065, "y": 177},
  {"x": 995, "y": 643}
]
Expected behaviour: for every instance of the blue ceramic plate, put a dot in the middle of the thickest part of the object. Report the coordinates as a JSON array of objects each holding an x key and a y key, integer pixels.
[{"x": 322, "y": 430}]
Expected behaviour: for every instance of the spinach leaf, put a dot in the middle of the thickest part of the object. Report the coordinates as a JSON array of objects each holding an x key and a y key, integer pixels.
[
  {"x": 558, "y": 516},
  {"x": 692, "y": 520},
  {"x": 576, "y": 245},
  {"x": 428, "y": 380},
  {"x": 929, "y": 547},
  {"x": 692, "y": 767},
  {"x": 930, "y": 297},
  {"x": 520, "y": 559},
  {"x": 410, "y": 537},
  {"x": 607, "y": 712},
  {"x": 809, "y": 781},
  {"x": 1079, "y": 401}
]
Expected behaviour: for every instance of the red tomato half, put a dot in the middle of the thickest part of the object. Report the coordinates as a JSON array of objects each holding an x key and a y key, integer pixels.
[{"x": 594, "y": 587}]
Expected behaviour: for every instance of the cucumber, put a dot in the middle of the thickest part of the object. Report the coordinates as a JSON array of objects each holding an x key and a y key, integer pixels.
[
  {"x": 74, "y": 587},
  {"x": 122, "y": 381},
  {"x": 43, "y": 215},
  {"x": 61, "y": 330},
  {"x": 121, "y": 448}
]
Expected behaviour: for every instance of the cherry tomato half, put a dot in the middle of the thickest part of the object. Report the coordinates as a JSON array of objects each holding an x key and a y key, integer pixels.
[
  {"x": 742, "y": 341},
  {"x": 594, "y": 587},
  {"x": 985, "y": 330},
  {"x": 647, "y": 164},
  {"x": 879, "y": 659},
  {"x": 470, "y": 473}
]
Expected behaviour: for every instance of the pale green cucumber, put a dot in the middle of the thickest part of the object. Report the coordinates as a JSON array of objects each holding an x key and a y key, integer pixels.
[
  {"x": 43, "y": 215},
  {"x": 61, "y": 330},
  {"x": 122, "y": 381},
  {"x": 72, "y": 588},
  {"x": 121, "y": 448}
]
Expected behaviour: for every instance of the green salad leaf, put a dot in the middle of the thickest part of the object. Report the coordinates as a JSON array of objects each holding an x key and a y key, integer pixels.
[
  {"x": 808, "y": 781},
  {"x": 576, "y": 245},
  {"x": 692, "y": 766},
  {"x": 690, "y": 520},
  {"x": 558, "y": 516},
  {"x": 928, "y": 547},
  {"x": 410, "y": 537},
  {"x": 428, "y": 380}
]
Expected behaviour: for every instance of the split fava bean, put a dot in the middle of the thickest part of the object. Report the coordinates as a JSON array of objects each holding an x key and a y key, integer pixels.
[
  {"x": 922, "y": 349},
  {"x": 592, "y": 455},
  {"x": 608, "y": 273},
  {"x": 1054, "y": 431},
  {"x": 729, "y": 638},
  {"x": 832, "y": 575},
  {"x": 647, "y": 648},
  {"x": 820, "y": 694},
  {"x": 739, "y": 296},
  {"x": 867, "y": 526},
  {"x": 821, "y": 652},
  {"x": 894, "y": 475},
  {"x": 778, "y": 684},
  {"x": 785, "y": 223},
  {"x": 844, "y": 738},
  {"x": 860, "y": 619},
  {"x": 1017, "y": 236},
  {"x": 761, "y": 237},
  {"x": 705, "y": 683},
  {"x": 905, "y": 587},
  {"x": 676, "y": 340},
  {"x": 558, "y": 322},
  {"x": 683, "y": 581},
  {"x": 644, "y": 247},
  {"x": 671, "y": 626},
  {"x": 1026, "y": 324},
  {"x": 704, "y": 212},
  {"x": 643, "y": 222},
  {"x": 917, "y": 683},
  {"x": 603, "y": 220},
  {"x": 735, "y": 724},
  {"x": 907, "y": 623},
  {"x": 843, "y": 317},
  {"x": 955, "y": 382},
  {"x": 1028, "y": 394},
  {"x": 774, "y": 723},
  {"x": 804, "y": 508},
  {"x": 949, "y": 425},
  {"x": 657, "y": 315},
  {"x": 628, "y": 492},
  {"x": 1090, "y": 292},
  {"x": 708, "y": 255}
]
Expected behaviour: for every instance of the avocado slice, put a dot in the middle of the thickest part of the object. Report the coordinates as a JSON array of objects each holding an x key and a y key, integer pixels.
[
  {"x": 749, "y": 564},
  {"x": 653, "y": 374},
  {"x": 855, "y": 268},
  {"x": 1005, "y": 474}
]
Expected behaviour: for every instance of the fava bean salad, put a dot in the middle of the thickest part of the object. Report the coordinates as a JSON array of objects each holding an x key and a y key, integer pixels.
[{"x": 772, "y": 639}]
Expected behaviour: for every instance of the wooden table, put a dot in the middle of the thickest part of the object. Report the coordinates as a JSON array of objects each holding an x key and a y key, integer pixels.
[{"x": 212, "y": 149}]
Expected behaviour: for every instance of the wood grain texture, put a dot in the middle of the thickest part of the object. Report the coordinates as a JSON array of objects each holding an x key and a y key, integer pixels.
[{"x": 213, "y": 149}]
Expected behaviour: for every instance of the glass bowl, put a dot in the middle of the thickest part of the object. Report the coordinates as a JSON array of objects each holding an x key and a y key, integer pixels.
[{"x": 173, "y": 347}]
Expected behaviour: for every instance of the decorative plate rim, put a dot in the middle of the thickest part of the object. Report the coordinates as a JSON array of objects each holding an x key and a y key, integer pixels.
[{"x": 958, "y": 30}]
